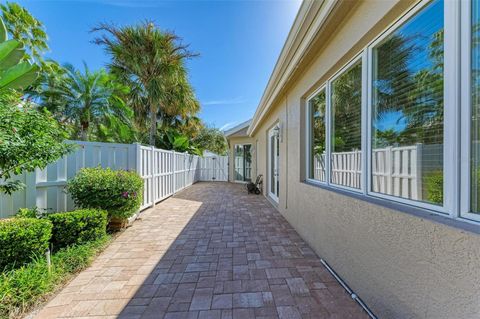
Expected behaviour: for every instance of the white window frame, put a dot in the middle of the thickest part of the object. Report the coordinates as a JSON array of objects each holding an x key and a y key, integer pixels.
[
  {"x": 449, "y": 140},
  {"x": 466, "y": 111},
  {"x": 309, "y": 135},
  {"x": 457, "y": 92},
  {"x": 327, "y": 86}
]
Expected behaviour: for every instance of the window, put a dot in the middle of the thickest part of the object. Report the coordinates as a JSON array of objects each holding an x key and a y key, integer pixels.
[
  {"x": 400, "y": 113},
  {"x": 346, "y": 131},
  {"x": 407, "y": 109},
  {"x": 317, "y": 110},
  {"x": 475, "y": 110},
  {"x": 243, "y": 163}
]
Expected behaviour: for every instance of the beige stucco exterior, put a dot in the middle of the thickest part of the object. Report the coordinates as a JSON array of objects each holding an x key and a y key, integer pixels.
[{"x": 401, "y": 265}]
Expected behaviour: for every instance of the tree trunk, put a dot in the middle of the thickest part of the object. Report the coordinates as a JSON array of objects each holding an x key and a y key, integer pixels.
[
  {"x": 153, "y": 127},
  {"x": 84, "y": 130}
]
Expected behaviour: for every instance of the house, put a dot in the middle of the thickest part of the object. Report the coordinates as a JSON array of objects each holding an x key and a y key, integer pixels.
[
  {"x": 241, "y": 152},
  {"x": 367, "y": 136}
]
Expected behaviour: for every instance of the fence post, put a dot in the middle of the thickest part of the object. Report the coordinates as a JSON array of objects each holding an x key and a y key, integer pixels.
[
  {"x": 418, "y": 170},
  {"x": 184, "y": 169},
  {"x": 138, "y": 166},
  {"x": 388, "y": 169},
  {"x": 152, "y": 171},
  {"x": 174, "y": 179},
  {"x": 138, "y": 158}
]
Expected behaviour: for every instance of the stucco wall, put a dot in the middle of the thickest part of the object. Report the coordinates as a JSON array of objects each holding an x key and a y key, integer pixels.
[{"x": 401, "y": 265}]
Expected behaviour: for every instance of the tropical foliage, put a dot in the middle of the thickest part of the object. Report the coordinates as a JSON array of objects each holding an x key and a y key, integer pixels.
[
  {"x": 211, "y": 139},
  {"x": 23, "y": 27},
  {"x": 90, "y": 103},
  {"x": 14, "y": 72},
  {"x": 29, "y": 138},
  {"x": 144, "y": 95},
  {"x": 151, "y": 62}
]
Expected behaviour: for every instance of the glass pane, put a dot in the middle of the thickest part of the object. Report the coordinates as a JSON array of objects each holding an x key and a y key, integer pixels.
[
  {"x": 346, "y": 157},
  {"x": 277, "y": 163},
  {"x": 248, "y": 162},
  {"x": 317, "y": 109},
  {"x": 239, "y": 163},
  {"x": 272, "y": 164},
  {"x": 407, "y": 110},
  {"x": 475, "y": 147}
]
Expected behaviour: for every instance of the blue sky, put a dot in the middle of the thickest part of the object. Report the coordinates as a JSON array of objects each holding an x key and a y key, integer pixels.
[{"x": 238, "y": 42}]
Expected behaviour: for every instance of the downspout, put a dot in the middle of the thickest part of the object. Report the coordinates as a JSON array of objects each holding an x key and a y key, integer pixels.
[{"x": 348, "y": 290}]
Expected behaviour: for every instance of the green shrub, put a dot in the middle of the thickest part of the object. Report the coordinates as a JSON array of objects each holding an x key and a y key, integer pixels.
[
  {"x": 21, "y": 239},
  {"x": 117, "y": 192},
  {"x": 434, "y": 187},
  {"x": 23, "y": 288},
  {"x": 30, "y": 213},
  {"x": 77, "y": 227}
]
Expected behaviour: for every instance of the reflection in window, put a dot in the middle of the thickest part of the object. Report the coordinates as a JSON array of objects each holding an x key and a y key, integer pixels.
[
  {"x": 475, "y": 79},
  {"x": 317, "y": 109},
  {"x": 243, "y": 163},
  {"x": 407, "y": 109},
  {"x": 346, "y": 131}
]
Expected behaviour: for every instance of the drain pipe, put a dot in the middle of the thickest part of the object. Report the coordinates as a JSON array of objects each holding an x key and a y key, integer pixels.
[{"x": 349, "y": 291}]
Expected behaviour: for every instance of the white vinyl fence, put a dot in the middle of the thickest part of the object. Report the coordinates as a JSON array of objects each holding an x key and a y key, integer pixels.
[
  {"x": 395, "y": 170},
  {"x": 164, "y": 173}
]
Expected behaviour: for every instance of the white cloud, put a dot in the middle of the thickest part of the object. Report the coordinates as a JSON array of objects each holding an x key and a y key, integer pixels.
[
  {"x": 227, "y": 126},
  {"x": 236, "y": 100},
  {"x": 121, "y": 3}
]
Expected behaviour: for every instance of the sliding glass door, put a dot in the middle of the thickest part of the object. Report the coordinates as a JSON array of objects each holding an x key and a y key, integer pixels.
[{"x": 243, "y": 163}]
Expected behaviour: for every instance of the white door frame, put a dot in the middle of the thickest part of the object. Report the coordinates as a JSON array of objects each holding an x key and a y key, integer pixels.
[
  {"x": 244, "y": 167},
  {"x": 273, "y": 171}
]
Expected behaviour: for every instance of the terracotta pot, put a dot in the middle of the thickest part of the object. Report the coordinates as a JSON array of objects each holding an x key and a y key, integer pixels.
[{"x": 117, "y": 223}]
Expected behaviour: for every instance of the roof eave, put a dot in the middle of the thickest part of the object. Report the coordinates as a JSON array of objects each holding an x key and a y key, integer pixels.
[{"x": 237, "y": 128}]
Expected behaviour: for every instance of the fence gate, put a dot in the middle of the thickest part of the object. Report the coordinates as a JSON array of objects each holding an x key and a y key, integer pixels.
[{"x": 214, "y": 168}]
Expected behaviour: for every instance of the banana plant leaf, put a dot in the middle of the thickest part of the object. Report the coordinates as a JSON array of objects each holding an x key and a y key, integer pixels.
[
  {"x": 11, "y": 53},
  {"x": 180, "y": 142},
  {"x": 19, "y": 76}
]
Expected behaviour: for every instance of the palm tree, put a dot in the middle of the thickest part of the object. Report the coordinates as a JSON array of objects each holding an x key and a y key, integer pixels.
[
  {"x": 89, "y": 102},
  {"x": 151, "y": 63}
]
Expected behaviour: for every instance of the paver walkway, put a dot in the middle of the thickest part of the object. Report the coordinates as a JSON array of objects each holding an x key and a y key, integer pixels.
[{"x": 211, "y": 251}]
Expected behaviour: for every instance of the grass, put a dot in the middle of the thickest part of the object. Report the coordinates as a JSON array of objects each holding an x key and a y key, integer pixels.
[{"x": 24, "y": 288}]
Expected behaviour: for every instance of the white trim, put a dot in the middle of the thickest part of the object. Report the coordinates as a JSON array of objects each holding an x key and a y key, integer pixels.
[
  {"x": 451, "y": 101},
  {"x": 347, "y": 67},
  {"x": 365, "y": 125},
  {"x": 391, "y": 29},
  {"x": 466, "y": 15},
  {"x": 465, "y": 107},
  {"x": 237, "y": 128},
  {"x": 272, "y": 195},
  {"x": 328, "y": 122},
  {"x": 309, "y": 134},
  {"x": 451, "y": 76}
]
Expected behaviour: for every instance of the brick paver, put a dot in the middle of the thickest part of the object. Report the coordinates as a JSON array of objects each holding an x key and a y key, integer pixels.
[{"x": 211, "y": 251}]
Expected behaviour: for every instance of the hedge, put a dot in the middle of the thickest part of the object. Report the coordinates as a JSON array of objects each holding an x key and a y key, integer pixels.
[
  {"x": 77, "y": 227},
  {"x": 117, "y": 192},
  {"x": 21, "y": 239},
  {"x": 23, "y": 288}
]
